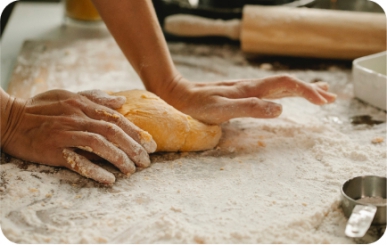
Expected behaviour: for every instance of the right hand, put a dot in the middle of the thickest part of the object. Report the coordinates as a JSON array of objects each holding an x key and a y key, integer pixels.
[
  {"x": 49, "y": 127},
  {"x": 217, "y": 102}
]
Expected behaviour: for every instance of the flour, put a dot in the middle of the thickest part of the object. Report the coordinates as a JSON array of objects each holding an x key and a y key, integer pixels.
[
  {"x": 268, "y": 180},
  {"x": 102, "y": 98},
  {"x": 82, "y": 166},
  {"x": 81, "y": 66},
  {"x": 373, "y": 200}
]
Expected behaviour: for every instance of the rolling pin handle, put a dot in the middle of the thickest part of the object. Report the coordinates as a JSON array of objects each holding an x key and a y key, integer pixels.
[{"x": 195, "y": 26}]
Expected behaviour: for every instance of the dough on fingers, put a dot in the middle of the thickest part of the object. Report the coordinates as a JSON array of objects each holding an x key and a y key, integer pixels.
[{"x": 171, "y": 129}]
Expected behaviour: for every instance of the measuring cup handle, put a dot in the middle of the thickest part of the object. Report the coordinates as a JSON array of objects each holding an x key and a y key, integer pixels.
[{"x": 360, "y": 220}]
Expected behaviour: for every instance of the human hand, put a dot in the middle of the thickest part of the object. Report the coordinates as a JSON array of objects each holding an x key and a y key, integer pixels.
[
  {"x": 49, "y": 127},
  {"x": 214, "y": 103}
]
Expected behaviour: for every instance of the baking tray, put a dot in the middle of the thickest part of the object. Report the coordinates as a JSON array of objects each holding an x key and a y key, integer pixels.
[{"x": 370, "y": 79}]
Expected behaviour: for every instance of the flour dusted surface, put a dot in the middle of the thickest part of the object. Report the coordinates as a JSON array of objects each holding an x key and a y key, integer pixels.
[{"x": 268, "y": 181}]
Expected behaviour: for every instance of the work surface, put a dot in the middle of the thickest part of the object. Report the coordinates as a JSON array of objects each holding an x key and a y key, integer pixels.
[{"x": 268, "y": 181}]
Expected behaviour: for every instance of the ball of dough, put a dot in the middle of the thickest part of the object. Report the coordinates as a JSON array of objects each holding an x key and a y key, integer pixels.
[{"x": 171, "y": 129}]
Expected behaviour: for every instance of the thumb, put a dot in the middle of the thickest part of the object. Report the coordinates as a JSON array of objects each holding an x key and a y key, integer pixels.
[{"x": 102, "y": 98}]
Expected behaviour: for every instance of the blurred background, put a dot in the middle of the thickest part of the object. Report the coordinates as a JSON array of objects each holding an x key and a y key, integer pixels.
[{"x": 225, "y": 9}]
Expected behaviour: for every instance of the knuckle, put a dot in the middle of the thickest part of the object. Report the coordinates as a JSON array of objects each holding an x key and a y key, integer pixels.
[
  {"x": 120, "y": 119},
  {"x": 110, "y": 128},
  {"x": 125, "y": 124},
  {"x": 73, "y": 122},
  {"x": 253, "y": 102},
  {"x": 122, "y": 157},
  {"x": 110, "y": 115},
  {"x": 286, "y": 78},
  {"x": 244, "y": 85},
  {"x": 75, "y": 101},
  {"x": 95, "y": 140},
  {"x": 240, "y": 87},
  {"x": 122, "y": 160}
]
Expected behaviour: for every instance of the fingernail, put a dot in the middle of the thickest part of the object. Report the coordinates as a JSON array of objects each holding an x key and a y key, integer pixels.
[
  {"x": 107, "y": 178},
  {"x": 273, "y": 109},
  {"x": 333, "y": 95},
  {"x": 128, "y": 166},
  {"x": 146, "y": 140},
  {"x": 121, "y": 99},
  {"x": 278, "y": 110},
  {"x": 142, "y": 159},
  {"x": 116, "y": 102}
]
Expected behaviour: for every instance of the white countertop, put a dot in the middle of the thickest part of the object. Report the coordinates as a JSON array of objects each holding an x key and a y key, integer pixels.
[{"x": 37, "y": 21}]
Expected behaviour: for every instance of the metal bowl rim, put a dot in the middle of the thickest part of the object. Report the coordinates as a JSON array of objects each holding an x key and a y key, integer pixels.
[{"x": 353, "y": 200}]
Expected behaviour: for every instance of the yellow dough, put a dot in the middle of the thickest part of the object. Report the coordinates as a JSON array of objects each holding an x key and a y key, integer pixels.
[{"x": 171, "y": 129}]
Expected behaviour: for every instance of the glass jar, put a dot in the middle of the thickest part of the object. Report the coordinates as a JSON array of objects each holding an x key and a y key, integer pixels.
[{"x": 81, "y": 12}]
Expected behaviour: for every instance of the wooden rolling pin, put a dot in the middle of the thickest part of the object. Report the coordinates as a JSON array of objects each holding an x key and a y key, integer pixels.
[{"x": 293, "y": 31}]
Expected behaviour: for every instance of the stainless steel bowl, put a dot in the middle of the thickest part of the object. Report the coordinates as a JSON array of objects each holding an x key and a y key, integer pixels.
[{"x": 355, "y": 190}]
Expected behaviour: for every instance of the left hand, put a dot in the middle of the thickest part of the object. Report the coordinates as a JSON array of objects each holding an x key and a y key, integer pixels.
[
  {"x": 50, "y": 127},
  {"x": 214, "y": 103}
]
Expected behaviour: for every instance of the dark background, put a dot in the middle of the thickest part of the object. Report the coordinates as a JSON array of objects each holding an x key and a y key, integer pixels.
[{"x": 362, "y": 5}]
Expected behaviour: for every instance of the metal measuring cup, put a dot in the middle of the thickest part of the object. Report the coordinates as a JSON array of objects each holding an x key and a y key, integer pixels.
[{"x": 364, "y": 203}]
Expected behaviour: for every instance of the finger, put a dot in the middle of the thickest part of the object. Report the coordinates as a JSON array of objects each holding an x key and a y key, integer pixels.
[
  {"x": 293, "y": 87},
  {"x": 98, "y": 145},
  {"x": 247, "y": 107},
  {"x": 307, "y": 91},
  {"x": 323, "y": 85},
  {"x": 139, "y": 135},
  {"x": 119, "y": 138},
  {"x": 330, "y": 97},
  {"x": 317, "y": 94},
  {"x": 109, "y": 115},
  {"x": 103, "y": 98},
  {"x": 86, "y": 168},
  {"x": 312, "y": 95}
]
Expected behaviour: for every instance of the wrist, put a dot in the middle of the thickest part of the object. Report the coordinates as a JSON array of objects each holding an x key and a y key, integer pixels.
[
  {"x": 11, "y": 112},
  {"x": 166, "y": 88},
  {"x": 178, "y": 93}
]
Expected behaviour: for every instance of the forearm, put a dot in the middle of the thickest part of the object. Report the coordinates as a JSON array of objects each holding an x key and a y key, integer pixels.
[
  {"x": 6, "y": 105},
  {"x": 134, "y": 25}
]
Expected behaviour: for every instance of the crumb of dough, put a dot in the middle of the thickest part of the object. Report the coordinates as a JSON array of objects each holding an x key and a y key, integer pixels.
[
  {"x": 199, "y": 240},
  {"x": 377, "y": 140},
  {"x": 261, "y": 143},
  {"x": 115, "y": 116}
]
